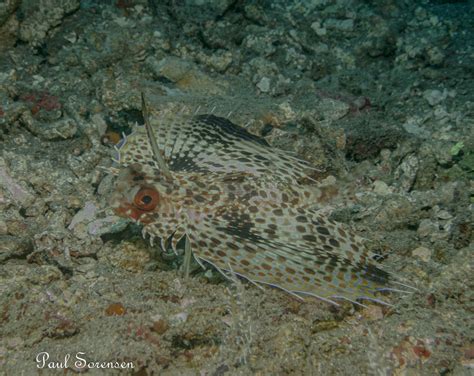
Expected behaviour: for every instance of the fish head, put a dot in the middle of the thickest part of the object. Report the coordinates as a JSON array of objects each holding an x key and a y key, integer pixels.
[{"x": 141, "y": 197}]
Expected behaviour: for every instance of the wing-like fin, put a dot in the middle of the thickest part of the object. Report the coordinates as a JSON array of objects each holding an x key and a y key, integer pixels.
[
  {"x": 308, "y": 263},
  {"x": 207, "y": 143}
]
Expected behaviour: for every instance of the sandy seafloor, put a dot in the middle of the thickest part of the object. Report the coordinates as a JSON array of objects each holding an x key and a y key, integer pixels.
[{"x": 378, "y": 95}]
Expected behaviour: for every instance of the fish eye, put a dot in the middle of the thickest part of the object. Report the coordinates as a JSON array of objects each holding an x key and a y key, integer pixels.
[{"x": 146, "y": 199}]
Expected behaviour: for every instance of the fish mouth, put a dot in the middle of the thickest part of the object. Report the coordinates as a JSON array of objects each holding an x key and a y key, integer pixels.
[{"x": 130, "y": 211}]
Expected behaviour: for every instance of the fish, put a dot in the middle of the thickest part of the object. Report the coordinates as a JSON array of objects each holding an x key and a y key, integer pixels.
[{"x": 242, "y": 206}]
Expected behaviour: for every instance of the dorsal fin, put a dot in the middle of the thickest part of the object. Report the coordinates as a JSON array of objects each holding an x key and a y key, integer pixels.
[{"x": 158, "y": 155}]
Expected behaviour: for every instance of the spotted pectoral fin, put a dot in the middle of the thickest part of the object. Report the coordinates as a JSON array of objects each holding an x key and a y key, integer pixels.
[
  {"x": 281, "y": 256},
  {"x": 165, "y": 230}
]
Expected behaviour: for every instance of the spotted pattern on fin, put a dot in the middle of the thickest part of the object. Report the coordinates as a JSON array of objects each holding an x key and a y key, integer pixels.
[
  {"x": 207, "y": 143},
  {"x": 243, "y": 207}
]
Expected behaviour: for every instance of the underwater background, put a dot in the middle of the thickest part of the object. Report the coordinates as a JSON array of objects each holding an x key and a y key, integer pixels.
[{"x": 377, "y": 95}]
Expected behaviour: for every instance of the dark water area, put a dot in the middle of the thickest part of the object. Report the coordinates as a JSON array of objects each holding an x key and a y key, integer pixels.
[{"x": 322, "y": 147}]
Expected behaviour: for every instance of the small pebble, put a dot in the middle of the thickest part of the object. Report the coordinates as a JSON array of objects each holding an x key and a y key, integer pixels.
[
  {"x": 264, "y": 85},
  {"x": 3, "y": 228},
  {"x": 373, "y": 312},
  {"x": 426, "y": 228},
  {"x": 434, "y": 97},
  {"x": 160, "y": 326},
  {"x": 422, "y": 253},
  {"x": 381, "y": 188},
  {"x": 318, "y": 29},
  {"x": 115, "y": 309},
  {"x": 444, "y": 214},
  {"x": 179, "y": 318}
]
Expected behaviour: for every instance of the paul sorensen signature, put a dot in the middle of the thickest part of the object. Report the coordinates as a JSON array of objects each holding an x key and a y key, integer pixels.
[{"x": 79, "y": 361}]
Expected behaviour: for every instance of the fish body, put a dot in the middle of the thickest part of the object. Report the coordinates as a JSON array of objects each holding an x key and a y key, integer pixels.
[{"x": 243, "y": 206}]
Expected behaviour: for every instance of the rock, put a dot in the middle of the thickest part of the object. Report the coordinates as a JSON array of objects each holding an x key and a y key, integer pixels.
[
  {"x": 422, "y": 253},
  {"x": 381, "y": 39},
  {"x": 98, "y": 121},
  {"x": 13, "y": 247},
  {"x": 179, "y": 318},
  {"x": 160, "y": 326},
  {"x": 86, "y": 224},
  {"x": 8, "y": 24},
  {"x": 8, "y": 33},
  {"x": 260, "y": 67},
  {"x": 44, "y": 274},
  {"x": 373, "y": 313},
  {"x": 84, "y": 215},
  {"x": 41, "y": 17},
  {"x": 218, "y": 61},
  {"x": 435, "y": 56},
  {"x": 396, "y": 212},
  {"x": 381, "y": 188},
  {"x": 426, "y": 228},
  {"x": 365, "y": 140},
  {"x": 434, "y": 97},
  {"x": 17, "y": 192},
  {"x": 340, "y": 25},
  {"x": 108, "y": 225},
  {"x": 185, "y": 75},
  {"x": 60, "y": 129},
  {"x": 318, "y": 29},
  {"x": 444, "y": 215},
  {"x": 129, "y": 255},
  {"x": 406, "y": 172},
  {"x": 427, "y": 168},
  {"x": 332, "y": 109},
  {"x": 3, "y": 228},
  {"x": 212, "y": 8},
  {"x": 259, "y": 44},
  {"x": 442, "y": 153},
  {"x": 413, "y": 125},
  {"x": 264, "y": 85},
  {"x": 219, "y": 35},
  {"x": 7, "y": 9}
]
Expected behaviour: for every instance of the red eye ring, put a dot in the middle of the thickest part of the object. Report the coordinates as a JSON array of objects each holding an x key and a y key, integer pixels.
[{"x": 146, "y": 199}]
